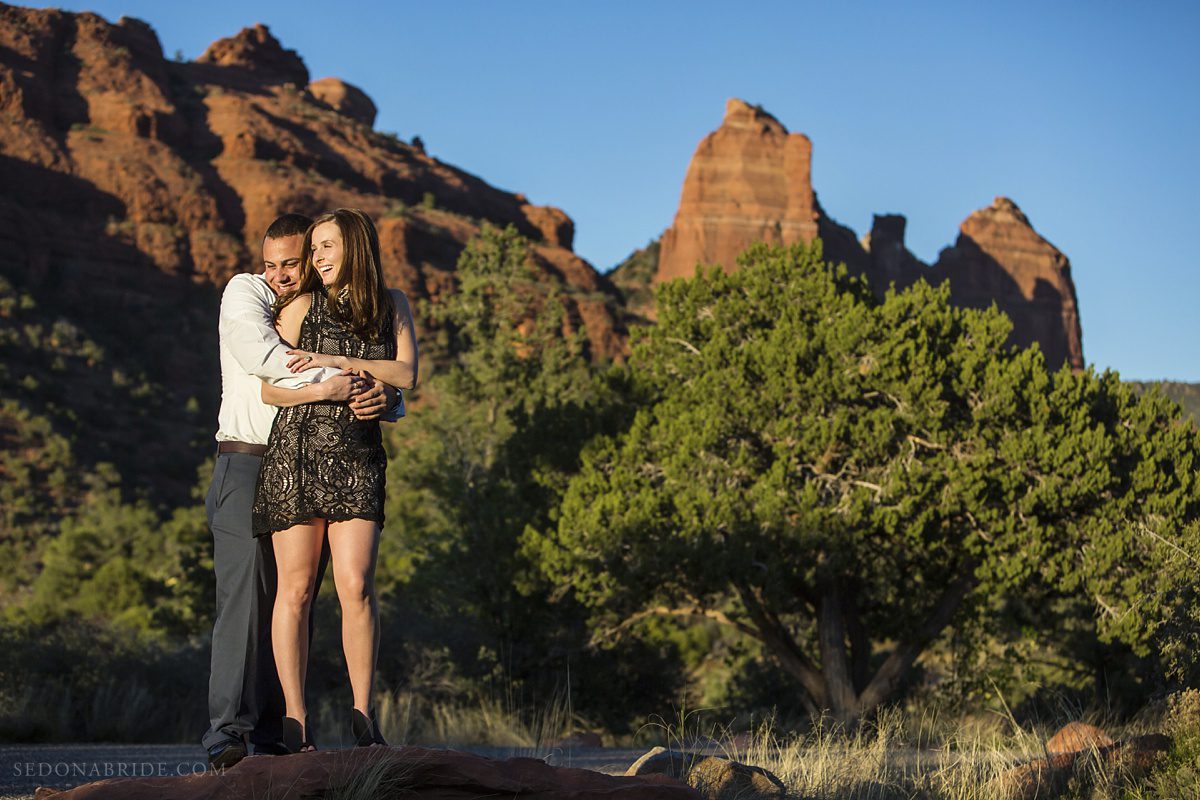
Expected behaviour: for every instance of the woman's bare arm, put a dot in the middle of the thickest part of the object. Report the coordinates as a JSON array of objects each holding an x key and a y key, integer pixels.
[
  {"x": 400, "y": 372},
  {"x": 338, "y": 388}
]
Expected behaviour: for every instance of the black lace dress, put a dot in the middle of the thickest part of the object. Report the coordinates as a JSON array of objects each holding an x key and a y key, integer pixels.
[{"x": 321, "y": 461}]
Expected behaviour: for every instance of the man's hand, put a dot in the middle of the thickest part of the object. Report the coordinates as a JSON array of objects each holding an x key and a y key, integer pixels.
[
  {"x": 375, "y": 399},
  {"x": 341, "y": 387}
]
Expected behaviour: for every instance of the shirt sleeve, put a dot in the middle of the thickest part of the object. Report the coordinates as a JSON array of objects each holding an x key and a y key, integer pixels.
[
  {"x": 396, "y": 412},
  {"x": 247, "y": 330}
]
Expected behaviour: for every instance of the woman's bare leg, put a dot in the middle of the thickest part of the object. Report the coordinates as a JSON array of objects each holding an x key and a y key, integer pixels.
[
  {"x": 297, "y": 552},
  {"x": 353, "y": 546}
]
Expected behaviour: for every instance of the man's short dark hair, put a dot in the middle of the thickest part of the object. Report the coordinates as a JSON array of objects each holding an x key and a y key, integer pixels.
[{"x": 288, "y": 225}]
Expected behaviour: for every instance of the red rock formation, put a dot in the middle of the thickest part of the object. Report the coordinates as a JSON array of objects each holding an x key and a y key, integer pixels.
[
  {"x": 750, "y": 180},
  {"x": 1000, "y": 258},
  {"x": 132, "y": 187},
  {"x": 128, "y": 167},
  {"x": 345, "y": 99},
  {"x": 256, "y": 50},
  {"x": 890, "y": 262},
  {"x": 404, "y": 771}
]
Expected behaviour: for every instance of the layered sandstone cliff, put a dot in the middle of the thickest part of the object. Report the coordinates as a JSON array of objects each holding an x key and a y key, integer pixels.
[
  {"x": 999, "y": 258},
  {"x": 751, "y": 180},
  {"x": 115, "y": 160},
  {"x": 132, "y": 187}
]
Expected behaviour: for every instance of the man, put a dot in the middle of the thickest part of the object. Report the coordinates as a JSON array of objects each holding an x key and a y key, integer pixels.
[{"x": 244, "y": 697}]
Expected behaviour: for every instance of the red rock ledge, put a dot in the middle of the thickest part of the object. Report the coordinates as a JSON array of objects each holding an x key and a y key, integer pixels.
[{"x": 386, "y": 772}]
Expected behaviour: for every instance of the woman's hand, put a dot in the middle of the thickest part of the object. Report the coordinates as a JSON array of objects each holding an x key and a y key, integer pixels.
[
  {"x": 342, "y": 387},
  {"x": 373, "y": 400},
  {"x": 302, "y": 360}
]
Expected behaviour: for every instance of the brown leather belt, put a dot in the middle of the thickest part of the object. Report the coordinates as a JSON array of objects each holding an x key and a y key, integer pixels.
[{"x": 242, "y": 447}]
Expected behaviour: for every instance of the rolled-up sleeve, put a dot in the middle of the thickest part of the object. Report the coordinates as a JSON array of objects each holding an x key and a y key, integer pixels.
[
  {"x": 396, "y": 412},
  {"x": 248, "y": 331}
]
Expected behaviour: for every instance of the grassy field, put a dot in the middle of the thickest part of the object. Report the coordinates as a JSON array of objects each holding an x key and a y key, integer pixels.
[{"x": 899, "y": 755}]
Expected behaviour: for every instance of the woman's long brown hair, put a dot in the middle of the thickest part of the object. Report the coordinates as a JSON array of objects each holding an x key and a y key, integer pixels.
[{"x": 369, "y": 310}]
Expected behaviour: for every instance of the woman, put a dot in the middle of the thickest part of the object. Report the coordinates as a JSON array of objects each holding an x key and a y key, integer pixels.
[{"x": 323, "y": 472}]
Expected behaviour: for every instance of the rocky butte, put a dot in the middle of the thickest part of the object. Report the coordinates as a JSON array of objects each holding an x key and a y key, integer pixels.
[{"x": 751, "y": 180}]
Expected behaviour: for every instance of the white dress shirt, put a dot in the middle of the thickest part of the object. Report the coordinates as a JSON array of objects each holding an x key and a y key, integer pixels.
[{"x": 251, "y": 352}]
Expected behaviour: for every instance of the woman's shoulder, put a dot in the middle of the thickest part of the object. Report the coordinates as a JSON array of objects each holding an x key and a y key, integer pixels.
[
  {"x": 297, "y": 306},
  {"x": 399, "y": 300}
]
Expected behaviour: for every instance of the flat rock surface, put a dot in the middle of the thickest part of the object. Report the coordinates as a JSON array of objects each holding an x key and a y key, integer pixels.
[{"x": 25, "y": 767}]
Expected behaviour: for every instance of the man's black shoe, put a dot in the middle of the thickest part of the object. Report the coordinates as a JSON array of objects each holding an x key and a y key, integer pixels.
[{"x": 226, "y": 754}]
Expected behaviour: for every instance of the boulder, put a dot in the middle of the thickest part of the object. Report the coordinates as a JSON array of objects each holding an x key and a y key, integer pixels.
[
  {"x": 661, "y": 761},
  {"x": 1049, "y": 777},
  {"x": 344, "y": 98},
  {"x": 715, "y": 778},
  {"x": 721, "y": 779},
  {"x": 1076, "y": 736}
]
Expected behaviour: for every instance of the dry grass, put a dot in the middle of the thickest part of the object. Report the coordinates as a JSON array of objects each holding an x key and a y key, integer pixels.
[
  {"x": 899, "y": 756},
  {"x": 410, "y": 718},
  {"x": 388, "y": 776}
]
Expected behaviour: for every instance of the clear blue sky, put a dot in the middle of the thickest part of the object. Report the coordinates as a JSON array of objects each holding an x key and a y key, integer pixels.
[{"x": 1087, "y": 114}]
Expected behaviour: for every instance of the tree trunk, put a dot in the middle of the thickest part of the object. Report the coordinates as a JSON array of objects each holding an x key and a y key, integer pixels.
[
  {"x": 860, "y": 646},
  {"x": 897, "y": 665},
  {"x": 831, "y": 637},
  {"x": 832, "y": 686},
  {"x": 779, "y": 641}
]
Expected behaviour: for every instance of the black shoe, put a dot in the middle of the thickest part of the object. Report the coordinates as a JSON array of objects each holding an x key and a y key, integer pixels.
[
  {"x": 225, "y": 754},
  {"x": 295, "y": 737},
  {"x": 271, "y": 749},
  {"x": 365, "y": 729}
]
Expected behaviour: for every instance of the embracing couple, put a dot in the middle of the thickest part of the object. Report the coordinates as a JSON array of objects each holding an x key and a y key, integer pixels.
[{"x": 314, "y": 354}]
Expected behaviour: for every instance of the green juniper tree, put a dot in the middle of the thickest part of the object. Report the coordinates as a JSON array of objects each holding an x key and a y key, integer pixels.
[
  {"x": 502, "y": 421},
  {"x": 843, "y": 479}
]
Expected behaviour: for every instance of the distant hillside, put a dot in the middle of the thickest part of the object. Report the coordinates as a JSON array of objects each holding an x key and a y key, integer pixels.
[
  {"x": 634, "y": 278},
  {"x": 1186, "y": 394},
  {"x": 76, "y": 395}
]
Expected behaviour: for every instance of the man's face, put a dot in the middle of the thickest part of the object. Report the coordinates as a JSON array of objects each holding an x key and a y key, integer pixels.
[{"x": 281, "y": 263}]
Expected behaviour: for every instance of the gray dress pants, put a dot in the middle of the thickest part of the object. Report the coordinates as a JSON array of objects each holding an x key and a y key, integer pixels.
[{"x": 244, "y": 697}]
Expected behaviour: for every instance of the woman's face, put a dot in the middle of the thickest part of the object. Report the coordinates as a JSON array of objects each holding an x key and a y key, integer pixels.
[{"x": 327, "y": 251}]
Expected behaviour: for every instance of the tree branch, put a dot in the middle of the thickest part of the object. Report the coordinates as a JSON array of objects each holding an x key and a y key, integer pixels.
[
  {"x": 684, "y": 343},
  {"x": 893, "y": 670},
  {"x": 666, "y": 611},
  {"x": 779, "y": 641}
]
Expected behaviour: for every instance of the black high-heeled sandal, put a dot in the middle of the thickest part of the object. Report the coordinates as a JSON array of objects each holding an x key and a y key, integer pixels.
[
  {"x": 365, "y": 729},
  {"x": 296, "y": 736}
]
